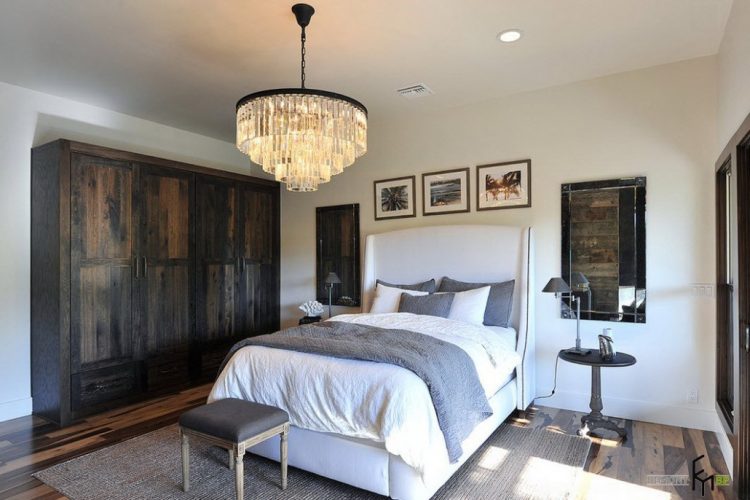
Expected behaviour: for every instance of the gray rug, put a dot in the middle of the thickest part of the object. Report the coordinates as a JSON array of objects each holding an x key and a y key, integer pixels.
[{"x": 514, "y": 463}]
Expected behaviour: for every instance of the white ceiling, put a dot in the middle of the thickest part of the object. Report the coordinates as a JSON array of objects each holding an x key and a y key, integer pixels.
[{"x": 186, "y": 62}]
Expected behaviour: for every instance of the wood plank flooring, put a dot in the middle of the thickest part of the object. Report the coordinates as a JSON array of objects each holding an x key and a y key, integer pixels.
[
  {"x": 619, "y": 470},
  {"x": 613, "y": 470}
]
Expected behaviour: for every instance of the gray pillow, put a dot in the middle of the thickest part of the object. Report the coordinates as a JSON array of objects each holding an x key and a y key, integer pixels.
[
  {"x": 499, "y": 303},
  {"x": 429, "y": 305},
  {"x": 427, "y": 286}
]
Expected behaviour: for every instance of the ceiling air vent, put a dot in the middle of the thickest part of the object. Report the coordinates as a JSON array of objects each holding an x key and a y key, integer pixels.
[{"x": 415, "y": 91}]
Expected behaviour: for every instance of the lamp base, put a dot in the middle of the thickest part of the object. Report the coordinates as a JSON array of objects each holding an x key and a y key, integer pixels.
[{"x": 577, "y": 350}]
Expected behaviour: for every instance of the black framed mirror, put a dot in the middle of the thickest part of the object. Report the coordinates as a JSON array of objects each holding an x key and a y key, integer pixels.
[
  {"x": 337, "y": 252},
  {"x": 604, "y": 239}
]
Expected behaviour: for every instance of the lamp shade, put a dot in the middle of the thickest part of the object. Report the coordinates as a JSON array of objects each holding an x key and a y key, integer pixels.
[
  {"x": 579, "y": 281},
  {"x": 556, "y": 285},
  {"x": 332, "y": 279}
]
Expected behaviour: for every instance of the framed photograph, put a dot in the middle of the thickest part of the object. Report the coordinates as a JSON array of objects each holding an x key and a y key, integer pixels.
[
  {"x": 504, "y": 185},
  {"x": 395, "y": 198},
  {"x": 445, "y": 192}
]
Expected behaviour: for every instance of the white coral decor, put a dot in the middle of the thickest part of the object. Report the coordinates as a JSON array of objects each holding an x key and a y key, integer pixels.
[{"x": 312, "y": 308}]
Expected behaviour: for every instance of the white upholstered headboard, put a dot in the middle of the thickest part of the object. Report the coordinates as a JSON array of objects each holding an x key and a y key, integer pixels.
[{"x": 480, "y": 253}]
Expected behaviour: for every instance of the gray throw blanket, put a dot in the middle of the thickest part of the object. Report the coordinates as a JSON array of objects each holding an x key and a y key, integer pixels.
[{"x": 448, "y": 372}]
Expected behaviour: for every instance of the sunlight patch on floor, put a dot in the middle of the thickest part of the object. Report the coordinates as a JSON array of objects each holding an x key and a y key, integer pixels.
[
  {"x": 608, "y": 443},
  {"x": 493, "y": 458},
  {"x": 595, "y": 487},
  {"x": 557, "y": 478},
  {"x": 555, "y": 429}
]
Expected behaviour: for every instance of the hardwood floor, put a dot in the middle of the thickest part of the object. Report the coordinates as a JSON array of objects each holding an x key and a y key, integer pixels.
[
  {"x": 613, "y": 470},
  {"x": 616, "y": 471},
  {"x": 29, "y": 444}
]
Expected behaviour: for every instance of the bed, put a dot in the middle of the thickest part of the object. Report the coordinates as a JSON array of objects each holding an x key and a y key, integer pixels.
[{"x": 407, "y": 460}]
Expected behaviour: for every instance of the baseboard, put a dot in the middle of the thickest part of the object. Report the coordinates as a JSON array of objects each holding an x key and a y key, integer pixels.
[
  {"x": 726, "y": 447},
  {"x": 15, "y": 409},
  {"x": 683, "y": 416}
]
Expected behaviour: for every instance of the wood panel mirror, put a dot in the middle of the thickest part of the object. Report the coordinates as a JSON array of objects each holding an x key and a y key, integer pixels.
[
  {"x": 604, "y": 239},
  {"x": 338, "y": 252}
]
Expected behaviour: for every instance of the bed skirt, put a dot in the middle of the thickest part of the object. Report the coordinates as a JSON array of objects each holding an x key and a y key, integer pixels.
[{"x": 366, "y": 464}]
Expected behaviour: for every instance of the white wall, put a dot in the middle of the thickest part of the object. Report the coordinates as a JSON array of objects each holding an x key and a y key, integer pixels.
[
  {"x": 658, "y": 122},
  {"x": 734, "y": 71},
  {"x": 30, "y": 118}
]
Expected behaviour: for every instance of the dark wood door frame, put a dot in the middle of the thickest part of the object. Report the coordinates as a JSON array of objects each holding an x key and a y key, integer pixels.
[{"x": 737, "y": 155}]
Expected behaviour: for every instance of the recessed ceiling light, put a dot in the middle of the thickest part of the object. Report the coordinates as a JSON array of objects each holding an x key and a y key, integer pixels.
[{"x": 509, "y": 36}]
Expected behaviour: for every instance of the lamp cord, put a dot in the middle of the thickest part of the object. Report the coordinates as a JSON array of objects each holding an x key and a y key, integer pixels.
[{"x": 554, "y": 385}]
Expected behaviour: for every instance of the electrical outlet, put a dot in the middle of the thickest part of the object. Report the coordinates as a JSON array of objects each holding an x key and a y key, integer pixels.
[{"x": 692, "y": 396}]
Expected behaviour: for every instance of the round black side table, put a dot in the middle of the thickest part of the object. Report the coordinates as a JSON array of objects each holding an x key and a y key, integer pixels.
[
  {"x": 306, "y": 320},
  {"x": 595, "y": 419}
]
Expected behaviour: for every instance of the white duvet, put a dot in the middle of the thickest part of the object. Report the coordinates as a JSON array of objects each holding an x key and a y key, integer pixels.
[{"x": 362, "y": 399}]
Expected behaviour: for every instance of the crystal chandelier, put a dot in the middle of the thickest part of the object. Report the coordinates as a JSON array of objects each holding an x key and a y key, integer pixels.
[{"x": 301, "y": 136}]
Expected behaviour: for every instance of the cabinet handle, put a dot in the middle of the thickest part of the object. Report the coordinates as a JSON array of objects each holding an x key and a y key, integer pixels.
[
  {"x": 137, "y": 269},
  {"x": 145, "y": 267},
  {"x": 747, "y": 338}
]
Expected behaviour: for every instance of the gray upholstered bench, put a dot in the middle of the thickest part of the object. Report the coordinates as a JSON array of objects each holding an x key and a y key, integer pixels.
[{"x": 234, "y": 425}]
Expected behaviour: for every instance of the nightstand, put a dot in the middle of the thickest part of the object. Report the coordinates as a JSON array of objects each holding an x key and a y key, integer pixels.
[
  {"x": 595, "y": 419},
  {"x": 309, "y": 319}
]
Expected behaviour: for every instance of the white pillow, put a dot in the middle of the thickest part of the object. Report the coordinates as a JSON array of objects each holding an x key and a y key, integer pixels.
[
  {"x": 469, "y": 306},
  {"x": 387, "y": 299}
]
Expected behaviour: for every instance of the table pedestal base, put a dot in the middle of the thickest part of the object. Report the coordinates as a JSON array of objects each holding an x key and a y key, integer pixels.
[{"x": 595, "y": 419}]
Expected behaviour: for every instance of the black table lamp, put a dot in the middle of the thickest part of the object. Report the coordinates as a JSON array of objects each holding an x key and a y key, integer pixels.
[
  {"x": 331, "y": 280},
  {"x": 559, "y": 287}
]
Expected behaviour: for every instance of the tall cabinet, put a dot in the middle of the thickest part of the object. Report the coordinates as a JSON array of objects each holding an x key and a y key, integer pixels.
[{"x": 144, "y": 271}]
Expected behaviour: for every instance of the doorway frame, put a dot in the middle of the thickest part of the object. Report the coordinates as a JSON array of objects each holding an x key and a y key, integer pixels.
[{"x": 736, "y": 155}]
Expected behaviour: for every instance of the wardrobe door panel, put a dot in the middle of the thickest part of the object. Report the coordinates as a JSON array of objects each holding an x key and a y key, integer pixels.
[
  {"x": 104, "y": 308},
  {"x": 167, "y": 314},
  {"x": 216, "y": 251},
  {"x": 259, "y": 256},
  {"x": 258, "y": 226},
  {"x": 166, "y": 294},
  {"x": 259, "y": 310},
  {"x": 102, "y": 245}
]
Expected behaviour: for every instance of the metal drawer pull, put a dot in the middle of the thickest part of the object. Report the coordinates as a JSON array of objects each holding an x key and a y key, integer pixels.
[
  {"x": 137, "y": 269},
  {"x": 747, "y": 338},
  {"x": 145, "y": 267},
  {"x": 107, "y": 386}
]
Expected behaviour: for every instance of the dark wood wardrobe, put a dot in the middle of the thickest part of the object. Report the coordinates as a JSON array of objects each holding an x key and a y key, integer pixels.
[{"x": 144, "y": 271}]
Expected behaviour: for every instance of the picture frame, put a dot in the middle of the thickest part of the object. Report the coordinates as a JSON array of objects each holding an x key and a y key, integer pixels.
[
  {"x": 504, "y": 185},
  {"x": 395, "y": 198},
  {"x": 446, "y": 192}
]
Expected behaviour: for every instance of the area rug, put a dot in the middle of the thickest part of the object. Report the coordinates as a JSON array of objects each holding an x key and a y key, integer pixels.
[{"x": 514, "y": 463}]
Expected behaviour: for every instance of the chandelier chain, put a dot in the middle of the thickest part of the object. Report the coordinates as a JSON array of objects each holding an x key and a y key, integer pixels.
[{"x": 302, "y": 64}]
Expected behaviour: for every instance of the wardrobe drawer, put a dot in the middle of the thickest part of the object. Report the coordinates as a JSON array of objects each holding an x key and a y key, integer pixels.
[
  {"x": 210, "y": 361},
  {"x": 99, "y": 386},
  {"x": 169, "y": 372}
]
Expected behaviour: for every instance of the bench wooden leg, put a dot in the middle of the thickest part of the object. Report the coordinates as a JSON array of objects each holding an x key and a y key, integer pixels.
[
  {"x": 283, "y": 452},
  {"x": 239, "y": 473},
  {"x": 185, "y": 461},
  {"x": 231, "y": 459}
]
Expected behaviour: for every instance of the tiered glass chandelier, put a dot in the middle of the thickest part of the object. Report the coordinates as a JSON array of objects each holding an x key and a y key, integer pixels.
[{"x": 301, "y": 136}]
